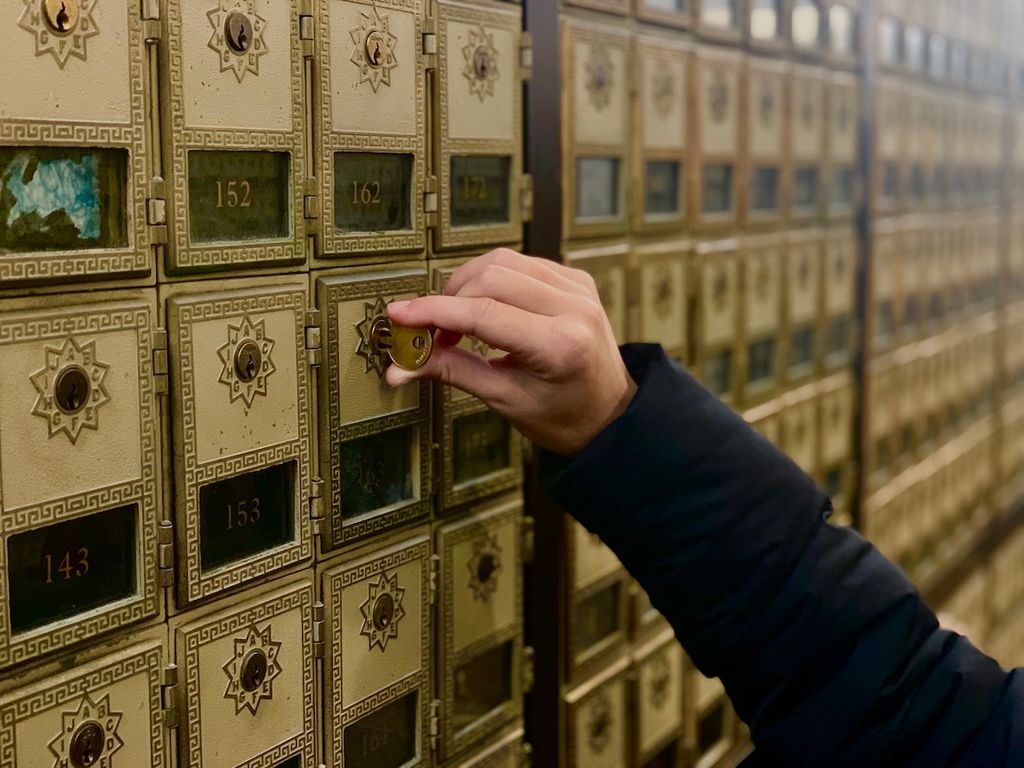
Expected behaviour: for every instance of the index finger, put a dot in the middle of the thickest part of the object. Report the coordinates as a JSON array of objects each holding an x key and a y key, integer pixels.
[{"x": 502, "y": 326}]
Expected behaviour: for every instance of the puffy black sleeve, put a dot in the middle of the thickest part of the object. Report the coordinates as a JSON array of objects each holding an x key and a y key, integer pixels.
[{"x": 825, "y": 648}]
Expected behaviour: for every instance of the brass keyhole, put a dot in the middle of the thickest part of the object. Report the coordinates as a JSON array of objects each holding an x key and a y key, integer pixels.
[
  {"x": 380, "y": 334},
  {"x": 374, "y": 49},
  {"x": 72, "y": 389},
  {"x": 482, "y": 63},
  {"x": 86, "y": 745},
  {"x": 61, "y": 15},
  {"x": 383, "y": 612},
  {"x": 238, "y": 31},
  {"x": 254, "y": 670},
  {"x": 486, "y": 568},
  {"x": 248, "y": 360},
  {"x": 600, "y": 726}
]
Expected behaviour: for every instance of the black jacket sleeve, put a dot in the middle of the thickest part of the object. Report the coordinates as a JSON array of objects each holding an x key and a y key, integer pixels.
[{"x": 825, "y": 648}]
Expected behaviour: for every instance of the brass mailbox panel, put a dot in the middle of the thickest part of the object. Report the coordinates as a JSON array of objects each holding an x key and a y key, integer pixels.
[
  {"x": 715, "y": 721},
  {"x": 242, "y": 412},
  {"x": 840, "y": 297},
  {"x": 718, "y": 311},
  {"x": 111, "y": 702},
  {"x": 374, "y": 440},
  {"x": 662, "y": 71},
  {"x": 597, "y": 720},
  {"x": 672, "y": 13},
  {"x": 377, "y": 657},
  {"x": 609, "y": 266},
  {"x": 716, "y": 138},
  {"x": 807, "y": 141},
  {"x": 73, "y": 171},
  {"x": 481, "y": 452},
  {"x": 841, "y": 144},
  {"x": 507, "y": 751},
  {"x": 918, "y": 132},
  {"x": 767, "y": 419},
  {"x": 890, "y": 120},
  {"x": 646, "y": 618},
  {"x": 479, "y": 108},
  {"x": 837, "y": 404},
  {"x": 804, "y": 282},
  {"x": 373, "y": 127},
  {"x": 480, "y": 640},
  {"x": 79, "y": 459},
  {"x": 764, "y": 140},
  {"x": 660, "y": 271},
  {"x": 596, "y": 84},
  {"x": 246, "y": 684},
  {"x": 800, "y": 428},
  {"x": 598, "y": 600},
  {"x": 879, "y": 399},
  {"x": 763, "y": 260},
  {"x": 659, "y": 668},
  {"x": 233, "y": 86},
  {"x": 883, "y": 301}
]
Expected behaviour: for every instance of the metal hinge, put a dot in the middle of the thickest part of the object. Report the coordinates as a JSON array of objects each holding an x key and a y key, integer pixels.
[
  {"x": 311, "y": 206},
  {"x": 527, "y": 539},
  {"x": 318, "y": 630},
  {"x": 165, "y": 554},
  {"x": 528, "y": 669},
  {"x": 160, "y": 366},
  {"x": 316, "y": 503},
  {"x": 430, "y": 42},
  {"x": 526, "y": 756},
  {"x": 526, "y": 197},
  {"x": 306, "y": 28},
  {"x": 313, "y": 340},
  {"x": 430, "y": 202},
  {"x": 152, "y": 29},
  {"x": 526, "y": 56},
  {"x": 435, "y": 723},
  {"x": 169, "y": 695},
  {"x": 435, "y": 561},
  {"x": 156, "y": 212}
]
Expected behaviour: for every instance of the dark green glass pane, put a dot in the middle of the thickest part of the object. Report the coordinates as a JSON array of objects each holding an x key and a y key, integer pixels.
[
  {"x": 661, "y": 192},
  {"x": 376, "y": 471},
  {"x": 68, "y": 568},
  {"x": 801, "y": 348},
  {"x": 235, "y": 196},
  {"x": 805, "y": 187},
  {"x": 842, "y": 188},
  {"x": 711, "y": 728},
  {"x": 480, "y": 190},
  {"x": 764, "y": 189},
  {"x": 837, "y": 336},
  {"x": 668, "y": 758},
  {"x": 385, "y": 738},
  {"x": 63, "y": 198},
  {"x": 597, "y": 617},
  {"x": 482, "y": 684},
  {"x": 718, "y": 372},
  {"x": 244, "y": 515},
  {"x": 372, "y": 191},
  {"x": 762, "y": 361},
  {"x": 764, "y": 19},
  {"x": 666, "y": 5},
  {"x": 597, "y": 187},
  {"x": 717, "y": 189},
  {"x": 718, "y": 13},
  {"x": 481, "y": 445}
]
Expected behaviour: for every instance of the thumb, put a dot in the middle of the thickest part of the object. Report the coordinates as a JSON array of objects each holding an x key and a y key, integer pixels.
[{"x": 462, "y": 369}]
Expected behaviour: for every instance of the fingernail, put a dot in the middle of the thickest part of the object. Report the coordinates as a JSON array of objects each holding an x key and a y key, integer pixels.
[{"x": 399, "y": 305}]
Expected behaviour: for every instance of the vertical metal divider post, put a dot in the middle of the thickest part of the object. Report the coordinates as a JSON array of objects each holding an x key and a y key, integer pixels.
[{"x": 545, "y": 577}]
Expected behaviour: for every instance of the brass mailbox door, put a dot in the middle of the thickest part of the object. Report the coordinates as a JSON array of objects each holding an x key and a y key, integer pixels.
[
  {"x": 807, "y": 141},
  {"x": 609, "y": 266},
  {"x": 79, "y": 469},
  {"x": 109, "y": 708},
  {"x": 841, "y": 140},
  {"x": 800, "y": 429},
  {"x": 479, "y": 115},
  {"x": 883, "y": 300},
  {"x": 804, "y": 260},
  {"x": 764, "y": 141},
  {"x": 481, "y": 453},
  {"x": 889, "y": 124},
  {"x": 233, "y": 74},
  {"x": 507, "y": 751},
  {"x": 595, "y": 110},
  {"x": 837, "y": 431},
  {"x": 840, "y": 294},
  {"x": 658, "y": 697},
  {"x": 372, "y": 127},
  {"x": 597, "y": 720},
  {"x": 716, "y": 84},
  {"x": 763, "y": 265},
  {"x": 715, "y": 720},
  {"x": 661, "y": 307},
  {"x": 718, "y": 306},
  {"x": 662, "y": 71},
  {"x": 672, "y": 13},
  {"x": 480, "y": 677},
  {"x": 246, "y": 685},
  {"x": 374, "y": 440},
  {"x": 377, "y": 658},
  {"x": 242, "y": 434},
  {"x": 73, "y": 171}
]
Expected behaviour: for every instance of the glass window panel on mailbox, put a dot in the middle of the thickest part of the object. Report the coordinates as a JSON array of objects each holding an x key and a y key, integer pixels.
[{"x": 225, "y": 540}]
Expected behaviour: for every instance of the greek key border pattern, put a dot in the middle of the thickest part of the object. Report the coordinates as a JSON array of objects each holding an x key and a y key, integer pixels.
[
  {"x": 136, "y": 258},
  {"x": 32, "y": 702},
  {"x": 183, "y": 138},
  {"x": 142, "y": 492},
  {"x": 334, "y": 584},
  {"x": 223, "y": 625},
  {"x": 190, "y": 473},
  {"x": 457, "y": 237},
  {"x": 332, "y": 241},
  {"x": 478, "y": 488}
]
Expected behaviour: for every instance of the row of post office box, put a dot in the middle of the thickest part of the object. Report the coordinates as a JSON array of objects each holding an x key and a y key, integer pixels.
[
  {"x": 1006, "y": 603},
  {"x": 926, "y": 394},
  {"x": 966, "y": 610},
  {"x": 182, "y": 140},
  {"x": 408, "y": 652},
  {"x": 211, "y": 434},
  {"x": 806, "y": 28},
  {"x": 712, "y": 138},
  {"x": 936, "y": 150},
  {"x": 927, "y": 275},
  {"x": 924, "y": 517}
]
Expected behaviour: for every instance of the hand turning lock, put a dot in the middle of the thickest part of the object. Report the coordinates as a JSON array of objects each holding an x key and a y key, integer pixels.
[{"x": 408, "y": 348}]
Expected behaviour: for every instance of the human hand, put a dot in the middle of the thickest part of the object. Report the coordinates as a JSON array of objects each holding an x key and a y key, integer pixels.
[{"x": 562, "y": 380}]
